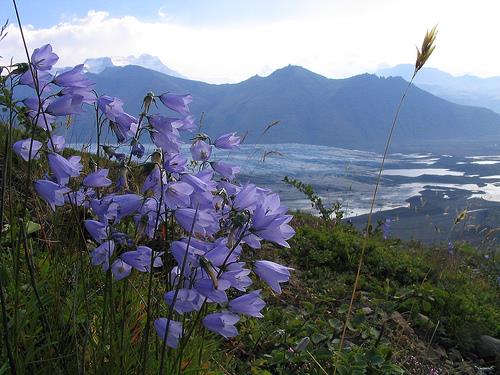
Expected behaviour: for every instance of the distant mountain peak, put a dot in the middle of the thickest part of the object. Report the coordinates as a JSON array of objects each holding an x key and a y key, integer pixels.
[{"x": 97, "y": 65}]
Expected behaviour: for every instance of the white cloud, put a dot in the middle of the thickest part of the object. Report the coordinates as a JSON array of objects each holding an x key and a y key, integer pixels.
[{"x": 330, "y": 40}]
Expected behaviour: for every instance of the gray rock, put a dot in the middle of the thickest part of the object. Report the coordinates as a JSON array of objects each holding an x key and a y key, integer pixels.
[{"x": 488, "y": 347}]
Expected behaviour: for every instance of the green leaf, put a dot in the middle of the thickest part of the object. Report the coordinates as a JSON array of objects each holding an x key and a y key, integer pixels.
[{"x": 32, "y": 227}]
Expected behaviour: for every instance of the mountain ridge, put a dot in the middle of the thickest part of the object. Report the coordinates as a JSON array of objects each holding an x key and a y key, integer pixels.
[{"x": 353, "y": 112}]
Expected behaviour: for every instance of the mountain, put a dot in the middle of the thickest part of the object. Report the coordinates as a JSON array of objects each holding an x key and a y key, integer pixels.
[
  {"x": 97, "y": 65},
  {"x": 467, "y": 89},
  {"x": 354, "y": 112}
]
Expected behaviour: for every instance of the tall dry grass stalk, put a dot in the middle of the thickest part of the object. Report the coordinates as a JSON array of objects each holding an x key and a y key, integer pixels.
[{"x": 423, "y": 55}]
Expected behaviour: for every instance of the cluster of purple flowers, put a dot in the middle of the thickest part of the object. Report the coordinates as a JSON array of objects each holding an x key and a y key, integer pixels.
[{"x": 221, "y": 218}]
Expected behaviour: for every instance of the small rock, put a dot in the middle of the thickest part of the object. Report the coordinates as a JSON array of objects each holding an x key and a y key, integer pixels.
[
  {"x": 488, "y": 347},
  {"x": 366, "y": 310}
]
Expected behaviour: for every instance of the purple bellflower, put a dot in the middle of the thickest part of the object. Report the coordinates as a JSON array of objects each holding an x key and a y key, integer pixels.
[
  {"x": 102, "y": 254},
  {"x": 272, "y": 273},
  {"x": 176, "y": 102},
  {"x": 97, "y": 179},
  {"x": 174, "y": 331},
  {"x": 228, "y": 141},
  {"x": 248, "y": 304},
  {"x": 222, "y": 323},
  {"x": 43, "y": 58},
  {"x": 22, "y": 149},
  {"x": 51, "y": 192},
  {"x": 63, "y": 168},
  {"x": 200, "y": 150}
]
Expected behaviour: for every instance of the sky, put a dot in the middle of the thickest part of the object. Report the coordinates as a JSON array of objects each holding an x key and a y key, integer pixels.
[{"x": 226, "y": 41}]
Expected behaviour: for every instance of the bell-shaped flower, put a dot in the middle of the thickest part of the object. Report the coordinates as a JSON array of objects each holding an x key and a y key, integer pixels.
[
  {"x": 105, "y": 209},
  {"x": 177, "y": 194},
  {"x": 272, "y": 227},
  {"x": 226, "y": 170},
  {"x": 56, "y": 143},
  {"x": 63, "y": 168},
  {"x": 186, "y": 124},
  {"x": 175, "y": 163},
  {"x": 120, "y": 269},
  {"x": 97, "y": 230},
  {"x": 176, "y": 102},
  {"x": 172, "y": 330},
  {"x": 272, "y": 273},
  {"x": 222, "y": 323},
  {"x": 111, "y": 107},
  {"x": 65, "y": 105},
  {"x": 200, "y": 150},
  {"x": 237, "y": 276},
  {"x": 51, "y": 192},
  {"x": 180, "y": 250},
  {"x": 222, "y": 255},
  {"x": 102, "y": 254},
  {"x": 22, "y": 149},
  {"x": 201, "y": 222},
  {"x": 43, "y": 58},
  {"x": 43, "y": 79},
  {"x": 163, "y": 124},
  {"x": 124, "y": 126},
  {"x": 146, "y": 219},
  {"x": 97, "y": 179},
  {"x": 248, "y": 304},
  {"x": 73, "y": 78},
  {"x": 229, "y": 141},
  {"x": 155, "y": 181},
  {"x": 127, "y": 204},
  {"x": 246, "y": 199},
  {"x": 140, "y": 259},
  {"x": 187, "y": 300},
  {"x": 214, "y": 291},
  {"x": 170, "y": 143}
]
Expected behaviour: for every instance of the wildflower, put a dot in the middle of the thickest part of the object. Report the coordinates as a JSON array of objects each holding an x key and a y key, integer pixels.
[
  {"x": 214, "y": 293},
  {"x": 229, "y": 141},
  {"x": 65, "y": 105},
  {"x": 248, "y": 304},
  {"x": 43, "y": 79},
  {"x": 226, "y": 170},
  {"x": 140, "y": 259},
  {"x": 97, "y": 230},
  {"x": 51, "y": 192},
  {"x": 177, "y": 194},
  {"x": 102, "y": 254},
  {"x": 22, "y": 149},
  {"x": 237, "y": 276},
  {"x": 63, "y": 168},
  {"x": 204, "y": 222},
  {"x": 222, "y": 323},
  {"x": 174, "y": 331},
  {"x": 187, "y": 300},
  {"x": 272, "y": 273},
  {"x": 111, "y": 107},
  {"x": 56, "y": 143},
  {"x": 200, "y": 150},
  {"x": 124, "y": 126},
  {"x": 73, "y": 78},
  {"x": 43, "y": 58},
  {"x": 176, "y": 102},
  {"x": 175, "y": 163},
  {"x": 120, "y": 269},
  {"x": 97, "y": 179}
]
